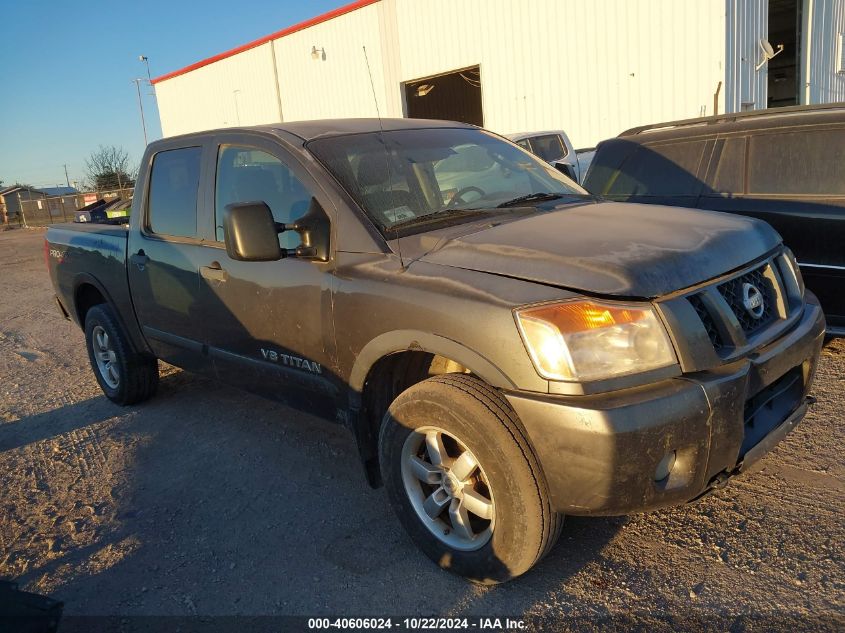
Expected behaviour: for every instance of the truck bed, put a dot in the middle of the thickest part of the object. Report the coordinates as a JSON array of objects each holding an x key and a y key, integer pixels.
[{"x": 90, "y": 255}]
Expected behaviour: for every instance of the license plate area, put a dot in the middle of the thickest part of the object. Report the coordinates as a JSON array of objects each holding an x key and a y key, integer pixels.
[{"x": 767, "y": 409}]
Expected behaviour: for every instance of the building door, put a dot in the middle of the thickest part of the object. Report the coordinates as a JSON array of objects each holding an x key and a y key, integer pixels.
[
  {"x": 783, "y": 72},
  {"x": 453, "y": 96}
]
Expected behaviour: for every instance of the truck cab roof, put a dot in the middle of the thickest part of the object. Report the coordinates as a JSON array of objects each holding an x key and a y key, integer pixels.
[{"x": 321, "y": 128}]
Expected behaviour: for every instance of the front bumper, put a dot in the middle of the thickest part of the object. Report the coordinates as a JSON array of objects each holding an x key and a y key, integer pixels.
[{"x": 600, "y": 453}]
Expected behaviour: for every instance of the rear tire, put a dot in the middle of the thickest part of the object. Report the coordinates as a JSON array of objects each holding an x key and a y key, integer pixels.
[
  {"x": 125, "y": 376},
  {"x": 511, "y": 522}
]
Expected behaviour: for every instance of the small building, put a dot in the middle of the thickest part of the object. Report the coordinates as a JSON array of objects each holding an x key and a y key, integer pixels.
[
  {"x": 12, "y": 197},
  {"x": 590, "y": 67}
]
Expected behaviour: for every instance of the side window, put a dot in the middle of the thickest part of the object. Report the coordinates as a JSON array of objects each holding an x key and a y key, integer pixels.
[
  {"x": 174, "y": 183},
  {"x": 549, "y": 147},
  {"x": 525, "y": 144},
  {"x": 730, "y": 172},
  {"x": 660, "y": 170},
  {"x": 248, "y": 175},
  {"x": 811, "y": 162}
]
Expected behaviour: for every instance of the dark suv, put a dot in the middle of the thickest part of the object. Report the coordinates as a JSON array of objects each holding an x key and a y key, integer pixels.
[{"x": 785, "y": 166}]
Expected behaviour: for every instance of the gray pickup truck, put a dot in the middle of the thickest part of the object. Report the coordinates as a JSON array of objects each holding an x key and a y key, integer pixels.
[{"x": 505, "y": 348}]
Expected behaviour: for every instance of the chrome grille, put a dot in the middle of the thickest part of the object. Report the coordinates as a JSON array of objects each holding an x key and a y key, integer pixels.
[
  {"x": 715, "y": 304},
  {"x": 707, "y": 320}
]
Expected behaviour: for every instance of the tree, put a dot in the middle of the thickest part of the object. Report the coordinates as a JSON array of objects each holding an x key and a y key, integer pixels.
[{"x": 109, "y": 168}]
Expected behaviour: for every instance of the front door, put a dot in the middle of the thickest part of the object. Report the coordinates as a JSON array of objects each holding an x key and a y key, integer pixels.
[{"x": 272, "y": 330}]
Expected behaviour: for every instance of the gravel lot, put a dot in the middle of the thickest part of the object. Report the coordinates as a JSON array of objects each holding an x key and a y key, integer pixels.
[{"x": 210, "y": 501}]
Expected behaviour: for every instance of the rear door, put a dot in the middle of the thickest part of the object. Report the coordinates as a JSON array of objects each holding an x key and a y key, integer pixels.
[
  {"x": 667, "y": 172},
  {"x": 165, "y": 254},
  {"x": 272, "y": 330},
  {"x": 795, "y": 181}
]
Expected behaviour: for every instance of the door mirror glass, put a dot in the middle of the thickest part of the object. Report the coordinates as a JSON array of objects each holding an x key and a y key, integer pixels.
[{"x": 250, "y": 232}]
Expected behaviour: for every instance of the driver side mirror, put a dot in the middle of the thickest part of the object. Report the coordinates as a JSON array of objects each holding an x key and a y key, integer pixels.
[{"x": 251, "y": 233}]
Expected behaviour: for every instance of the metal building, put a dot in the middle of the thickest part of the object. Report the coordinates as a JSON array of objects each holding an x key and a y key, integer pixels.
[{"x": 591, "y": 67}]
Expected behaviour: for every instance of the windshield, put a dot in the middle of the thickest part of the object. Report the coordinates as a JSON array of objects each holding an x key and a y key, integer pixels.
[{"x": 419, "y": 176}]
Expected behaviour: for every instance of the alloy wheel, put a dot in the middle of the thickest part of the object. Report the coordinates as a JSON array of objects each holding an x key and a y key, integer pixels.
[{"x": 448, "y": 488}]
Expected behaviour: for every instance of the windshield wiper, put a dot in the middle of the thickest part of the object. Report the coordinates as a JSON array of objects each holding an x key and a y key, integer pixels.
[
  {"x": 437, "y": 215},
  {"x": 531, "y": 197}
]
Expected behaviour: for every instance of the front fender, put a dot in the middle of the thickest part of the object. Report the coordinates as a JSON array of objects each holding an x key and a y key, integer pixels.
[{"x": 414, "y": 340}]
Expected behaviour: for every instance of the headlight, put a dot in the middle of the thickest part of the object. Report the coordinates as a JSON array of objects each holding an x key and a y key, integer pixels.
[{"x": 587, "y": 340}]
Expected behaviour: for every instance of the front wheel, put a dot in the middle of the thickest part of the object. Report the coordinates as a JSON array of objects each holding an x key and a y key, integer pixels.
[
  {"x": 125, "y": 376},
  {"x": 463, "y": 480}
]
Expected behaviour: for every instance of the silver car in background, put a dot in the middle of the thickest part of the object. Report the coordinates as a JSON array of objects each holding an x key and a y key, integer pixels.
[{"x": 554, "y": 147}]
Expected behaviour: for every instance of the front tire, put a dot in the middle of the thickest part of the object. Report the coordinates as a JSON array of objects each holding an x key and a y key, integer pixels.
[
  {"x": 125, "y": 376},
  {"x": 463, "y": 480}
]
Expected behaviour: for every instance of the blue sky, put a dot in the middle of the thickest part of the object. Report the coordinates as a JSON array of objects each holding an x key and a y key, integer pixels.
[{"x": 67, "y": 70}]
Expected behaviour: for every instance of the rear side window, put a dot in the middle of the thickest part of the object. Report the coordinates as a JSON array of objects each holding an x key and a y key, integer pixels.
[
  {"x": 549, "y": 147},
  {"x": 811, "y": 162},
  {"x": 659, "y": 170},
  {"x": 174, "y": 184},
  {"x": 730, "y": 171}
]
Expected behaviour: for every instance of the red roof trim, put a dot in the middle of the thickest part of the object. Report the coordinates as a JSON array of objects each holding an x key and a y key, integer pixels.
[{"x": 325, "y": 17}]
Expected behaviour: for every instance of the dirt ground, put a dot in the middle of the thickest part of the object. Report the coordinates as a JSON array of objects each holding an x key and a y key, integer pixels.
[{"x": 210, "y": 501}]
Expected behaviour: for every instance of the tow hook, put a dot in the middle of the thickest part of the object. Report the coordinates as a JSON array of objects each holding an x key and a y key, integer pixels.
[
  {"x": 714, "y": 484},
  {"x": 720, "y": 480}
]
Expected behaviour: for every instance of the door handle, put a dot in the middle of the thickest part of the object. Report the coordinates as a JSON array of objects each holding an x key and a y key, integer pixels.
[
  {"x": 214, "y": 272},
  {"x": 140, "y": 259}
]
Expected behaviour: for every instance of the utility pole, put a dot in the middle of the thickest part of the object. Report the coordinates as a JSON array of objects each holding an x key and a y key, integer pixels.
[
  {"x": 66, "y": 176},
  {"x": 146, "y": 60},
  {"x": 141, "y": 107}
]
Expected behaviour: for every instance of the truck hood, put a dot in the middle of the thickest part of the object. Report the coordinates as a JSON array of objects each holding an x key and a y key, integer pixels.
[{"x": 612, "y": 248}]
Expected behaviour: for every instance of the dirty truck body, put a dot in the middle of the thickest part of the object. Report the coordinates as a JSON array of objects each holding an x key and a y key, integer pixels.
[{"x": 504, "y": 353}]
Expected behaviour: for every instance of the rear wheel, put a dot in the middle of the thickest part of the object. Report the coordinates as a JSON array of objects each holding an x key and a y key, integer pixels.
[
  {"x": 463, "y": 480},
  {"x": 125, "y": 376}
]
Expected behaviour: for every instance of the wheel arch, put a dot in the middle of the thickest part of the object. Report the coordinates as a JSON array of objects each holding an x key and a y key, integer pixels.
[
  {"x": 395, "y": 361},
  {"x": 89, "y": 291},
  {"x": 418, "y": 341}
]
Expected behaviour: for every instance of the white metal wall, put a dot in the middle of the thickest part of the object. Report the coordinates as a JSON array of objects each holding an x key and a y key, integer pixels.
[
  {"x": 339, "y": 85},
  {"x": 238, "y": 90},
  {"x": 591, "y": 67},
  {"x": 824, "y": 21},
  {"x": 747, "y": 22}
]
